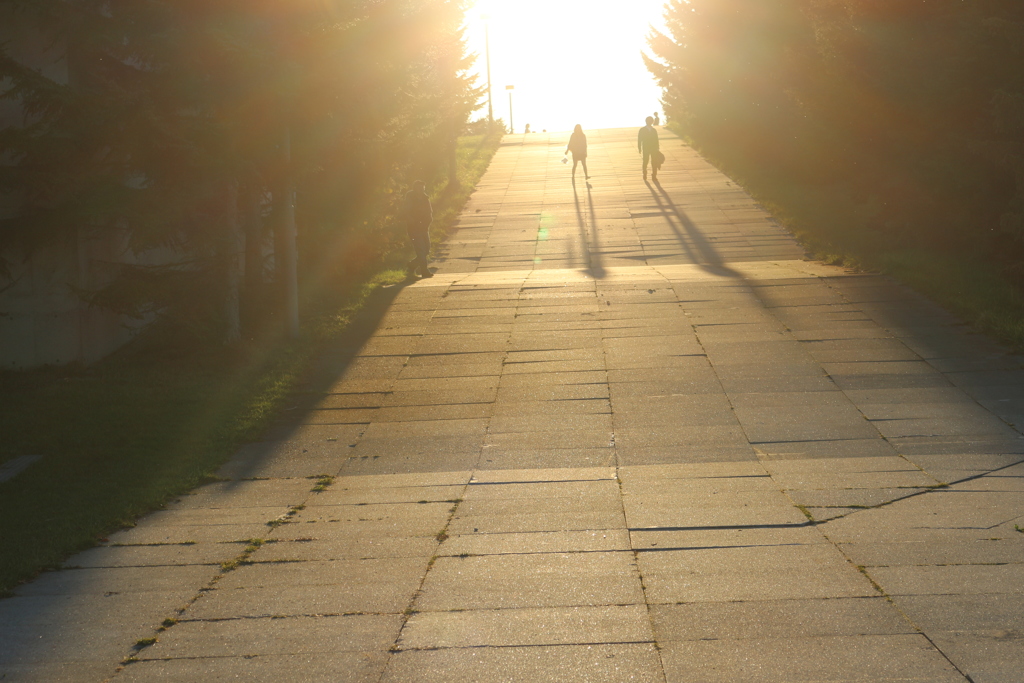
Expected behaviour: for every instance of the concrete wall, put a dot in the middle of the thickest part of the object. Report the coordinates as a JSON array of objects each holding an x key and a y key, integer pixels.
[{"x": 43, "y": 320}]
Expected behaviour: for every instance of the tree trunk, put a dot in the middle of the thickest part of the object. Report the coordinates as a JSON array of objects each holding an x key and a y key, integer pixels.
[
  {"x": 252, "y": 288},
  {"x": 453, "y": 156},
  {"x": 286, "y": 258},
  {"x": 230, "y": 263}
]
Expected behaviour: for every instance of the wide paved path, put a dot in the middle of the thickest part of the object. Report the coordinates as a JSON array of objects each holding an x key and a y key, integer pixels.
[{"x": 626, "y": 433}]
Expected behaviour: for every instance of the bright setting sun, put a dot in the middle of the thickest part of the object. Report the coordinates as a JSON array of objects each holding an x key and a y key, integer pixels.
[{"x": 571, "y": 61}]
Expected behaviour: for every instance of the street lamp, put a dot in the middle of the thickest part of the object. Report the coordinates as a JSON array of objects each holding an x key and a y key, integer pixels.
[
  {"x": 511, "y": 124},
  {"x": 487, "y": 53}
]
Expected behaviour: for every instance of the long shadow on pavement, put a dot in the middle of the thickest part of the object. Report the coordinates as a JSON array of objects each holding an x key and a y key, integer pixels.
[
  {"x": 589, "y": 239},
  {"x": 697, "y": 246},
  {"x": 594, "y": 254},
  {"x": 329, "y": 366}
]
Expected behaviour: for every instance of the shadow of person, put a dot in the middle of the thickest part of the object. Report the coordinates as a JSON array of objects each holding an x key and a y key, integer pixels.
[
  {"x": 588, "y": 237},
  {"x": 596, "y": 269},
  {"x": 690, "y": 237}
]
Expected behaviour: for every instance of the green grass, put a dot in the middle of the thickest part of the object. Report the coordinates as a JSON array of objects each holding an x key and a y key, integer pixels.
[
  {"x": 124, "y": 436},
  {"x": 474, "y": 153},
  {"x": 973, "y": 290}
]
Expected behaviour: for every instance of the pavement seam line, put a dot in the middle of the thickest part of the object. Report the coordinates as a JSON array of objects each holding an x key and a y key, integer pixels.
[
  {"x": 501, "y": 373},
  {"x": 528, "y": 645},
  {"x": 640, "y": 577},
  {"x": 169, "y": 622},
  {"x": 888, "y": 598},
  {"x": 253, "y": 545},
  {"x": 410, "y": 610},
  {"x": 943, "y": 486}
]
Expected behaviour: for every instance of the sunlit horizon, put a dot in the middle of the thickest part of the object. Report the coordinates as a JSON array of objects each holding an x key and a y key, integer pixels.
[{"x": 571, "y": 61}]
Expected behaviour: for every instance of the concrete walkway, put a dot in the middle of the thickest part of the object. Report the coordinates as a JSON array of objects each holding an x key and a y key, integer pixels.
[{"x": 626, "y": 433}]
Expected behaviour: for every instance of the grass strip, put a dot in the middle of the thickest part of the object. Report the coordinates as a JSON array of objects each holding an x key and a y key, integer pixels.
[{"x": 122, "y": 437}]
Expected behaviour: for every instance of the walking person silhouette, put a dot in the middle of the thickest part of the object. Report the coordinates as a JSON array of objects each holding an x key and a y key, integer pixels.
[
  {"x": 578, "y": 146},
  {"x": 647, "y": 144},
  {"x": 418, "y": 214}
]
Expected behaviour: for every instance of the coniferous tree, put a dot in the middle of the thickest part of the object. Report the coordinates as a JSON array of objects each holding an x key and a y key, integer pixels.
[
  {"x": 901, "y": 118},
  {"x": 170, "y": 128}
]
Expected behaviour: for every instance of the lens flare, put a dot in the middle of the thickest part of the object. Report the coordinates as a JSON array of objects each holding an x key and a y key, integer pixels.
[{"x": 571, "y": 61}]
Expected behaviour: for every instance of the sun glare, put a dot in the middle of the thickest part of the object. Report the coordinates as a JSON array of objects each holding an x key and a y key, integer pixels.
[{"x": 571, "y": 61}]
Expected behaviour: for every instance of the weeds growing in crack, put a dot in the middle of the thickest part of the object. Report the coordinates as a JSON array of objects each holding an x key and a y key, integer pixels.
[
  {"x": 257, "y": 541},
  {"x": 864, "y": 570},
  {"x": 232, "y": 564},
  {"x": 322, "y": 482},
  {"x": 286, "y": 517}
]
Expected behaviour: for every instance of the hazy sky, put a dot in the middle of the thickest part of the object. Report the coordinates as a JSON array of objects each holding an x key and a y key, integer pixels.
[{"x": 571, "y": 61}]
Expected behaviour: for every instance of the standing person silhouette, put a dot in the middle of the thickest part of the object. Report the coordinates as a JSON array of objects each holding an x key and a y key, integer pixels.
[
  {"x": 578, "y": 146},
  {"x": 418, "y": 215},
  {"x": 647, "y": 144},
  {"x": 657, "y": 119}
]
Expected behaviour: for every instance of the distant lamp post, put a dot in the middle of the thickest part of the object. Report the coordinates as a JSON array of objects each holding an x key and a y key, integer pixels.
[
  {"x": 487, "y": 53},
  {"x": 511, "y": 124}
]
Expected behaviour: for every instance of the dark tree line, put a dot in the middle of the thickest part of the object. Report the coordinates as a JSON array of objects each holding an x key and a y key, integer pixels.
[
  {"x": 171, "y": 128},
  {"x": 901, "y": 119}
]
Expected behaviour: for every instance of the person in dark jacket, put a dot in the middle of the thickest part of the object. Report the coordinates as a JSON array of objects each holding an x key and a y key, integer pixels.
[
  {"x": 647, "y": 144},
  {"x": 578, "y": 146},
  {"x": 418, "y": 215}
]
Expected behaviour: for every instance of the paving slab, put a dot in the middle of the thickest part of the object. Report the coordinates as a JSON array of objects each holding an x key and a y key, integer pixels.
[
  {"x": 347, "y": 546},
  {"x": 767, "y": 619},
  {"x": 998, "y": 547},
  {"x": 599, "y": 663},
  {"x": 986, "y": 656},
  {"x": 531, "y": 580},
  {"x": 960, "y": 579},
  {"x": 750, "y": 573},
  {"x": 348, "y": 667},
  {"x": 861, "y": 658},
  {"x": 286, "y": 601},
  {"x": 117, "y": 580},
  {"x": 970, "y": 612},
  {"x": 276, "y": 636},
  {"x": 512, "y": 543},
  {"x": 156, "y": 555},
  {"x": 620, "y": 413},
  {"x": 527, "y": 627}
]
